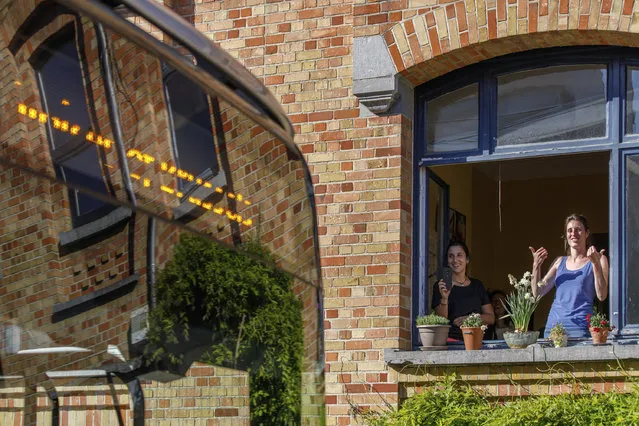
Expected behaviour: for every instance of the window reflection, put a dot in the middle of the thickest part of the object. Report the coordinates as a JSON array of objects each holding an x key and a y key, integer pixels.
[
  {"x": 632, "y": 242},
  {"x": 62, "y": 91},
  {"x": 632, "y": 100},
  {"x": 191, "y": 126},
  {"x": 453, "y": 120},
  {"x": 552, "y": 104}
]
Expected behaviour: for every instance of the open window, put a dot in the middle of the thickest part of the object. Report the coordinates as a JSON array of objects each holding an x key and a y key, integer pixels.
[
  {"x": 520, "y": 142},
  {"x": 510, "y": 205}
]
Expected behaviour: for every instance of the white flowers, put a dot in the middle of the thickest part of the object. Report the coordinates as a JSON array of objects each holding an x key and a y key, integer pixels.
[
  {"x": 523, "y": 284},
  {"x": 520, "y": 304}
]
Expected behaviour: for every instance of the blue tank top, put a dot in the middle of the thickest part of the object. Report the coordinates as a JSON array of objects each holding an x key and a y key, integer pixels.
[{"x": 573, "y": 299}]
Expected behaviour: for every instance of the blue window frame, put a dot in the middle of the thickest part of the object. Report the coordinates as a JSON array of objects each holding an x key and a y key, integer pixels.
[{"x": 610, "y": 105}]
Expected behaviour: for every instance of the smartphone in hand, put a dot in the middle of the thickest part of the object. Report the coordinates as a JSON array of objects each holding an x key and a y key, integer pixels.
[{"x": 446, "y": 275}]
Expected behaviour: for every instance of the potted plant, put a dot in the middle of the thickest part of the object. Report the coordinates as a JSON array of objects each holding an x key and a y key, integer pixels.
[
  {"x": 520, "y": 305},
  {"x": 473, "y": 331},
  {"x": 599, "y": 327},
  {"x": 433, "y": 331},
  {"x": 558, "y": 335}
]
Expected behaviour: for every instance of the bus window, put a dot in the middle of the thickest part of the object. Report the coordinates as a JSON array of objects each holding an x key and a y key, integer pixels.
[{"x": 159, "y": 246}]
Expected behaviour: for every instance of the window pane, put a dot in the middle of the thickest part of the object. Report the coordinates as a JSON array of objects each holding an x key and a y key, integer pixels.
[
  {"x": 632, "y": 100},
  {"x": 437, "y": 214},
  {"x": 632, "y": 242},
  {"x": 64, "y": 94},
  {"x": 453, "y": 120},
  {"x": 75, "y": 172},
  {"x": 552, "y": 104},
  {"x": 195, "y": 149}
]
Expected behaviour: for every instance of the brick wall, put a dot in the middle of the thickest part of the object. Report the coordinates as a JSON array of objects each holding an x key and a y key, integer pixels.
[
  {"x": 499, "y": 381},
  {"x": 37, "y": 273},
  {"x": 362, "y": 164}
]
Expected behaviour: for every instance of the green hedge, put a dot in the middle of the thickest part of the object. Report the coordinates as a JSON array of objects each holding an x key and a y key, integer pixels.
[
  {"x": 237, "y": 313},
  {"x": 453, "y": 404}
]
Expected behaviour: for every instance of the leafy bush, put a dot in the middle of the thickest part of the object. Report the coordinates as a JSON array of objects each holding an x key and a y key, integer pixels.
[
  {"x": 230, "y": 310},
  {"x": 432, "y": 319},
  {"x": 451, "y": 403}
]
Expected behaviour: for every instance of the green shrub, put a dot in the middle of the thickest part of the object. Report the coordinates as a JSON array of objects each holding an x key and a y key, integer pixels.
[
  {"x": 238, "y": 313},
  {"x": 451, "y": 403},
  {"x": 432, "y": 319}
]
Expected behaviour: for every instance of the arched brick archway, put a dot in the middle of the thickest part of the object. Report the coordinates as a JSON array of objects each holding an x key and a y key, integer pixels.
[{"x": 450, "y": 35}]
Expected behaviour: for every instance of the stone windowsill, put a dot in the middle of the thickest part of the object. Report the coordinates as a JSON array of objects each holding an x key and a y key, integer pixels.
[
  {"x": 97, "y": 227},
  {"x": 498, "y": 353}
]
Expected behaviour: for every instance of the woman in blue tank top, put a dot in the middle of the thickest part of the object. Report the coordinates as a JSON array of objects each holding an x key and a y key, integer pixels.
[{"x": 579, "y": 277}]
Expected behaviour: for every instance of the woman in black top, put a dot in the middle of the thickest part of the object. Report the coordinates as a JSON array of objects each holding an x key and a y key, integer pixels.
[{"x": 466, "y": 296}]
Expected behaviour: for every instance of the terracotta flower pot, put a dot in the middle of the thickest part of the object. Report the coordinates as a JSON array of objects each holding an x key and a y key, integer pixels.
[
  {"x": 599, "y": 335},
  {"x": 472, "y": 337}
]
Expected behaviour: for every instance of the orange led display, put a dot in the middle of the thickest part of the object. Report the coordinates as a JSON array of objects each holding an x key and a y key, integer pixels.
[
  {"x": 221, "y": 211},
  {"x": 63, "y": 125},
  {"x": 182, "y": 174},
  {"x": 74, "y": 129}
]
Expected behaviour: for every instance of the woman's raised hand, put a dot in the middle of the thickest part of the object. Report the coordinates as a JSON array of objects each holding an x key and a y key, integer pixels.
[
  {"x": 539, "y": 256},
  {"x": 594, "y": 255},
  {"x": 442, "y": 290}
]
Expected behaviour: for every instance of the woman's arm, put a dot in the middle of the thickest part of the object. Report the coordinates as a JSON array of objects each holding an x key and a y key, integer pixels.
[
  {"x": 442, "y": 308},
  {"x": 600, "y": 269},
  {"x": 487, "y": 314},
  {"x": 539, "y": 256}
]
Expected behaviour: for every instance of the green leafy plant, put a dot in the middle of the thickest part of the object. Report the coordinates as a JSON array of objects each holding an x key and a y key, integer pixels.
[
  {"x": 558, "y": 335},
  {"x": 225, "y": 308},
  {"x": 474, "y": 320},
  {"x": 598, "y": 321},
  {"x": 558, "y": 331},
  {"x": 432, "y": 319},
  {"x": 451, "y": 402},
  {"x": 520, "y": 304}
]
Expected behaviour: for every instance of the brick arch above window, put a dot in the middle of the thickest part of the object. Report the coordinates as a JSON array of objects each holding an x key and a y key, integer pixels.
[{"x": 447, "y": 36}]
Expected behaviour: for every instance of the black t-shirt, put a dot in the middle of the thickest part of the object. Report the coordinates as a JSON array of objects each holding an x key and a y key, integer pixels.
[{"x": 462, "y": 301}]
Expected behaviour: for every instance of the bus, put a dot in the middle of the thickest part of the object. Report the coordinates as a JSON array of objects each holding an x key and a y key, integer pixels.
[{"x": 159, "y": 247}]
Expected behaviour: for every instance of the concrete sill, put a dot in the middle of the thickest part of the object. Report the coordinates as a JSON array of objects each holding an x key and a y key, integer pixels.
[
  {"x": 94, "y": 229},
  {"x": 64, "y": 310},
  {"x": 537, "y": 353}
]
